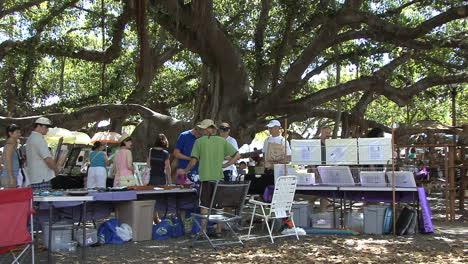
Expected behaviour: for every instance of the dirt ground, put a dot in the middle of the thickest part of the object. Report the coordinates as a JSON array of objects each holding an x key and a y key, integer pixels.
[{"x": 448, "y": 244}]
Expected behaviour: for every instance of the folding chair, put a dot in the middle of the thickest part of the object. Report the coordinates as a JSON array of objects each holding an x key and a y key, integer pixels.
[
  {"x": 16, "y": 207},
  {"x": 223, "y": 195},
  {"x": 280, "y": 206}
]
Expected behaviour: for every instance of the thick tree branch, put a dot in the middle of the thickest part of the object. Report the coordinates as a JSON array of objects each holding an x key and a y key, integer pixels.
[
  {"x": 403, "y": 96},
  {"x": 194, "y": 25},
  {"x": 111, "y": 53},
  {"x": 261, "y": 77},
  {"x": 341, "y": 57},
  {"x": 19, "y": 8}
]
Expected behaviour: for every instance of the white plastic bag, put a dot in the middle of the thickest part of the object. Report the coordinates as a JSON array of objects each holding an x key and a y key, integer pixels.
[
  {"x": 124, "y": 231},
  {"x": 289, "y": 231}
]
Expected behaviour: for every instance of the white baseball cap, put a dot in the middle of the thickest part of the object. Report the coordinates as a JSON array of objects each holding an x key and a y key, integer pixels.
[
  {"x": 44, "y": 121},
  {"x": 273, "y": 123}
]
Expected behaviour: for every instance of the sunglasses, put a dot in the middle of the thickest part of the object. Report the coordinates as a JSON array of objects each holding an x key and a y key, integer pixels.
[{"x": 224, "y": 128}]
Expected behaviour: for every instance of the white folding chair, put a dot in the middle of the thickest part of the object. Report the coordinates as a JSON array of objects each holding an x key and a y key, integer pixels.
[{"x": 280, "y": 206}]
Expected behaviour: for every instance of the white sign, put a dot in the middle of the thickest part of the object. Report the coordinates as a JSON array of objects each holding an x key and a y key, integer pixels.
[
  {"x": 305, "y": 152},
  {"x": 374, "y": 150},
  {"x": 341, "y": 151}
]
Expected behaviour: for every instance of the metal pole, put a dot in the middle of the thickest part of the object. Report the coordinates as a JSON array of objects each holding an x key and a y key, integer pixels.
[{"x": 393, "y": 179}]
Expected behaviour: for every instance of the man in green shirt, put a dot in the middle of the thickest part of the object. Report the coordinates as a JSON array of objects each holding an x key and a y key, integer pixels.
[{"x": 210, "y": 151}]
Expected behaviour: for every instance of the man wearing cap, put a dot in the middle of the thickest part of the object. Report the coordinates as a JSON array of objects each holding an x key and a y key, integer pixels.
[
  {"x": 210, "y": 152},
  {"x": 182, "y": 151},
  {"x": 276, "y": 149},
  {"x": 230, "y": 173},
  {"x": 40, "y": 165}
]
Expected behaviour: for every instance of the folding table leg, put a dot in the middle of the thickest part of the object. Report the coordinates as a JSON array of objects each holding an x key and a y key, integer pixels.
[
  {"x": 83, "y": 248},
  {"x": 49, "y": 249}
]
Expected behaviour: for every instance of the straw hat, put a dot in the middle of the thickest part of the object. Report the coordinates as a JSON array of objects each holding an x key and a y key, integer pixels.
[{"x": 124, "y": 137}]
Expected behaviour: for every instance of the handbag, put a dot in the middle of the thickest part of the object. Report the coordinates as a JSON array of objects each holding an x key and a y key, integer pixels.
[{"x": 22, "y": 179}]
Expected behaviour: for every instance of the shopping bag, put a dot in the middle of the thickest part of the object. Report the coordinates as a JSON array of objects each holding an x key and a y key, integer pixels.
[
  {"x": 177, "y": 226},
  {"x": 161, "y": 231},
  {"x": 182, "y": 179},
  {"x": 107, "y": 232}
]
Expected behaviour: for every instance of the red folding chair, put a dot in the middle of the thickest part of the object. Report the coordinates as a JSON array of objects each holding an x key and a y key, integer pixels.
[{"x": 16, "y": 206}]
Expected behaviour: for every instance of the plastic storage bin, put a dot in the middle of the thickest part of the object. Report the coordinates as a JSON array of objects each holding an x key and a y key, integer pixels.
[
  {"x": 374, "y": 219},
  {"x": 305, "y": 178},
  {"x": 336, "y": 175},
  {"x": 373, "y": 178},
  {"x": 322, "y": 220},
  {"x": 91, "y": 236},
  {"x": 354, "y": 221},
  {"x": 60, "y": 238},
  {"x": 69, "y": 247},
  {"x": 301, "y": 212},
  {"x": 138, "y": 215},
  {"x": 403, "y": 179}
]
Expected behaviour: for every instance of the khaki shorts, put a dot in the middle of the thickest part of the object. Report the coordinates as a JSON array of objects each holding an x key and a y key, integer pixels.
[{"x": 121, "y": 181}]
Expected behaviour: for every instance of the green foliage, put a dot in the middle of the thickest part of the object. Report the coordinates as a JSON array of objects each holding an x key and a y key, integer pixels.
[{"x": 291, "y": 26}]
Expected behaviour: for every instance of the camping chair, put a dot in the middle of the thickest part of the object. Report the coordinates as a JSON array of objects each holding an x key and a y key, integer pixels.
[
  {"x": 16, "y": 207},
  {"x": 280, "y": 206},
  {"x": 223, "y": 194}
]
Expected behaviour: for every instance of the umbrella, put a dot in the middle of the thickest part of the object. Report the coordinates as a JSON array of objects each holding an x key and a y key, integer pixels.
[
  {"x": 54, "y": 134},
  {"x": 106, "y": 137},
  {"x": 59, "y": 132},
  {"x": 79, "y": 138}
]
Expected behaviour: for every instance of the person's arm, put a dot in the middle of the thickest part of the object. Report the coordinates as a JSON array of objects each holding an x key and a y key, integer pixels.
[
  {"x": 232, "y": 160},
  {"x": 191, "y": 164},
  {"x": 168, "y": 171},
  {"x": 106, "y": 160},
  {"x": 179, "y": 155},
  {"x": 51, "y": 164},
  {"x": 9, "y": 165},
  {"x": 129, "y": 160},
  {"x": 148, "y": 163}
]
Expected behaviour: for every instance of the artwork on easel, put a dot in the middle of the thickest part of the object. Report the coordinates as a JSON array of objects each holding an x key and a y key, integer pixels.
[{"x": 139, "y": 167}]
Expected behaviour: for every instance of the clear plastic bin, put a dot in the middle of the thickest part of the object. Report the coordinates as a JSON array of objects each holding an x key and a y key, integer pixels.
[
  {"x": 69, "y": 247},
  {"x": 91, "y": 236},
  {"x": 322, "y": 220},
  {"x": 60, "y": 237}
]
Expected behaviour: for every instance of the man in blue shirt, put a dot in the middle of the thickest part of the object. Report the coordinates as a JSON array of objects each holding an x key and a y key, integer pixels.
[{"x": 182, "y": 152}]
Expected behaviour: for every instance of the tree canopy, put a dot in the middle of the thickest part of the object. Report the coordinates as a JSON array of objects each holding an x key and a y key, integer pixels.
[{"x": 354, "y": 63}]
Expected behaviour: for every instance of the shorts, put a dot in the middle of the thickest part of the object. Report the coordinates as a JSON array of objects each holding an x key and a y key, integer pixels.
[
  {"x": 121, "y": 181},
  {"x": 45, "y": 185}
]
